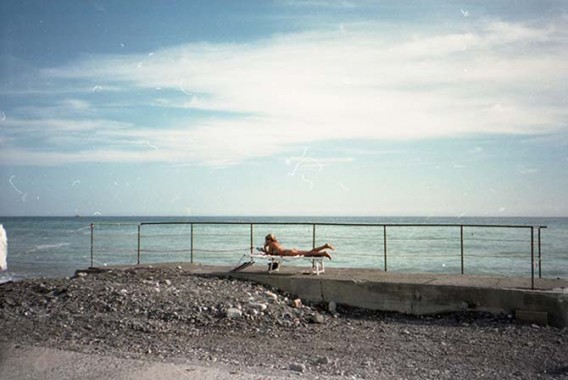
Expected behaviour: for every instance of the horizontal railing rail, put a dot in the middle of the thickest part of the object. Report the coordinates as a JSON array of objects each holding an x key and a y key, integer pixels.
[{"x": 533, "y": 242}]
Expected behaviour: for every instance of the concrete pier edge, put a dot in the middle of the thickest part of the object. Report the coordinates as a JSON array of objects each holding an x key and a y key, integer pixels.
[{"x": 409, "y": 293}]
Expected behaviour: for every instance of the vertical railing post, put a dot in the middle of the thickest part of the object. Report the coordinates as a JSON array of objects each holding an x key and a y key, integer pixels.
[
  {"x": 92, "y": 243},
  {"x": 461, "y": 247},
  {"x": 251, "y": 238},
  {"x": 138, "y": 260},
  {"x": 191, "y": 244},
  {"x": 539, "y": 255},
  {"x": 385, "y": 245},
  {"x": 313, "y": 235},
  {"x": 313, "y": 242},
  {"x": 532, "y": 257}
]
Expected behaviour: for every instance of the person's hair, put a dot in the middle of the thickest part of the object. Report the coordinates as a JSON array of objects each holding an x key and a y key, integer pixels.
[{"x": 270, "y": 237}]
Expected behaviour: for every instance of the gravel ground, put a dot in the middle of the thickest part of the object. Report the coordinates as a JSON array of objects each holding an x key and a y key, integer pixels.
[{"x": 168, "y": 315}]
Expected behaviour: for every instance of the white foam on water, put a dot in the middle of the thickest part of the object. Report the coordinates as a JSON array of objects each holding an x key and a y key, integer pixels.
[
  {"x": 43, "y": 247},
  {"x": 4, "y": 277}
]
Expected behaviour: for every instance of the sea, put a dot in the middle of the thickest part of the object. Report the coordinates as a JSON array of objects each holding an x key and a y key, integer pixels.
[{"x": 58, "y": 246}]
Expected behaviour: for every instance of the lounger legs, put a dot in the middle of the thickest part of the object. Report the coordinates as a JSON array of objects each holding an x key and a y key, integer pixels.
[
  {"x": 273, "y": 266},
  {"x": 242, "y": 266},
  {"x": 318, "y": 266},
  {"x": 274, "y": 263}
]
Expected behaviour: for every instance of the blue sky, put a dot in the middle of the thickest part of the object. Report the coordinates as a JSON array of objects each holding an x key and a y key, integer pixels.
[{"x": 418, "y": 108}]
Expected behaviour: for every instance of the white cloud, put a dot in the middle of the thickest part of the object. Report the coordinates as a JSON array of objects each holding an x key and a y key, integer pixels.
[
  {"x": 305, "y": 88},
  {"x": 500, "y": 32}
]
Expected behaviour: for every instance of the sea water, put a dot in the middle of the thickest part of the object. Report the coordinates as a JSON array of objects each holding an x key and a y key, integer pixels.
[{"x": 57, "y": 247}]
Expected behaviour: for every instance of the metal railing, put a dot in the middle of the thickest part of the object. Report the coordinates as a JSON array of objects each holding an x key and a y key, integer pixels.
[{"x": 533, "y": 247}]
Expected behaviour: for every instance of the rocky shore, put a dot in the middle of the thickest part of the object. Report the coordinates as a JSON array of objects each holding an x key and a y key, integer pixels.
[{"x": 169, "y": 315}]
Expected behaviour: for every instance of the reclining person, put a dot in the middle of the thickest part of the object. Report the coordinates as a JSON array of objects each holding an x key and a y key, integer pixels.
[{"x": 273, "y": 247}]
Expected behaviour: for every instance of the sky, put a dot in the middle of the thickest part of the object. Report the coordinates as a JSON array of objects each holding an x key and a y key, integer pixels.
[{"x": 283, "y": 108}]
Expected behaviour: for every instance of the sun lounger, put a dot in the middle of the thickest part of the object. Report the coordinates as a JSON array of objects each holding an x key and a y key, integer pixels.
[{"x": 274, "y": 262}]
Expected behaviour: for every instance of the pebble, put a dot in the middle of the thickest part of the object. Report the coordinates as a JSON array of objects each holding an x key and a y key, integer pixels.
[
  {"x": 258, "y": 306},
  {"x": 233, "y": 313},
  {"x": 332, "y": 307},
  {"x": 297, "y": 303},
  {"x": 10, "y": 301},
  {"x": 271, "y": 296},
  {"x": 323, "y": 360},
  {"x": 297, "y": 367},
  {"x": 317, "y": 318}
]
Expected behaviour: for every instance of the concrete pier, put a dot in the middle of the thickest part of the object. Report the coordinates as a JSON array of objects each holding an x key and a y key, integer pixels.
[{"x": 418, "y": 294}]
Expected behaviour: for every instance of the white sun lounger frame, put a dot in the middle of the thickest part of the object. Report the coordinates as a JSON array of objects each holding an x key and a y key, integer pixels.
[{"x": 318, "y": 265}]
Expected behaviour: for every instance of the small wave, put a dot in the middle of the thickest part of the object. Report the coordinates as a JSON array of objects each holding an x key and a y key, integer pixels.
[
  {"x": 5, "y": 277},
  {"x": 43, "y": 247}
]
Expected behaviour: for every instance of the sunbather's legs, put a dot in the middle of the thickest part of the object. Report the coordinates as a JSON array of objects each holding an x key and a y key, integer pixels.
[
  {"x": 325, "y": 246},
  {"x": 316, "y": 252},
  {"x": 319, "y": 251}
]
